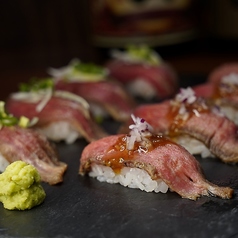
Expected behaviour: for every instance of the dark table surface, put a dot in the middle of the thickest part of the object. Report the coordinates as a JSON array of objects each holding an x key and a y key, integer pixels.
[{"x": 85, "y": 207}]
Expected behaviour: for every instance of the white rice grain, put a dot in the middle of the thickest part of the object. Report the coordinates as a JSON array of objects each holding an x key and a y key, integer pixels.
[
  {"x": 230, "y": 112},
  {"x": 58, "y": 131},
  {"x": 194, "y": 146},
  {"x": 129, "y": 177}
]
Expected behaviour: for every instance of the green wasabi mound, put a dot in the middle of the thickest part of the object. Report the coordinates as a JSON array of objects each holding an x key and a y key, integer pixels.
[{"x": 20, "y": 187}]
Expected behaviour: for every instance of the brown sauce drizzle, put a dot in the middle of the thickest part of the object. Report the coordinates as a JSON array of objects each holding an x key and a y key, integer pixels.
[
  {"x": 117, "y": 155},
  {"x": 177, "y": 120},
  {"x": 222, "y": 90}
]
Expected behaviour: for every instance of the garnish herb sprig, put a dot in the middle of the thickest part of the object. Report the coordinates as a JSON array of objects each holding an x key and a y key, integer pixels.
[
  {"x": 10, "y": 120},
  {"x": 35, "y": 85}
]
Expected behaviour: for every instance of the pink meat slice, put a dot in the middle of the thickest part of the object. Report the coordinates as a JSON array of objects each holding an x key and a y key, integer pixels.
[
  {"x": 213, "y": 89},
  {"x": 217, "y": 132},
  {"x": 57, "y": 110},
  {"x": 171, "y": 162},
  {"x": 109, "y": 95},
  {"x": 27, "y": 145},
  {"x": 216, "y": 75},
  {"x": 162, "y": 77},
  {"x": 208, "y": 91},
  {"x": 154, "y": 114},
  {"x": 204, "y": 90}
]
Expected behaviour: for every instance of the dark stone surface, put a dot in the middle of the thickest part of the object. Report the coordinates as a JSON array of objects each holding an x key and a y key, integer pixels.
[{"x": 85, "y": 207}]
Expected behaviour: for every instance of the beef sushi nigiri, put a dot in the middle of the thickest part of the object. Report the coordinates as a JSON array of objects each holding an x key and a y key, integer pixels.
[
  {"x": 59, "y": 115},
  {"x": 150, "y": 162},
  {"x": 221, "y": 89},
  {"x": 107, "y": 97},
  {"x": 17, "y": 142},
  {"x": 144, "y": 73},
  {"x": 223, "y": 70},
  {"x": 188, "y": 120}
]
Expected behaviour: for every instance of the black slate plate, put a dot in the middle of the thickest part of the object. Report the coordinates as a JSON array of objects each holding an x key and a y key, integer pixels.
[{"x": 85, "y": 207}]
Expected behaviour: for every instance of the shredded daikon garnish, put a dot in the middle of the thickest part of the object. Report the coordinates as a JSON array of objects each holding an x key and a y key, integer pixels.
[
  {"x": 76, "y": 71},
  {"x": 40, "y": 91},
  {"x": 76, "y": 98},
  {"x": 230, "y": 79},
  {"x": 138, "y": 54},
  {"x": 45, "y": 99},
  {"x": 41, "y": 97},
  {"x": 138, "y": 131},
  {"x": 188, "y": 102},
  {"x": 186, "y": 95},
  {"x": 196, "y": 112},
  {"x": 36, "y": 91},
  {"x": 217, "y": 110}
]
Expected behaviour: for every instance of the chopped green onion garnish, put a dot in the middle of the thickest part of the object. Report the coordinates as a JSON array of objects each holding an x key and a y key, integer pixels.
[
  {"x": 36, "y": 84},
  {"x": 10, "y": 120},
  {"x": 23, "y": 121},
  {"x": 89, "y": 68},
  {"x": 144, "y": 53},
  {"x": 2, "y": 109}
]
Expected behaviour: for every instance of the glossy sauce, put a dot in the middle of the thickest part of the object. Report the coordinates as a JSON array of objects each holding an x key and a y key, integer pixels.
[
  {"x": 178, "y": 120},
  {"x": 222, "y": 90},
  {"x": 118, "y": 154}
]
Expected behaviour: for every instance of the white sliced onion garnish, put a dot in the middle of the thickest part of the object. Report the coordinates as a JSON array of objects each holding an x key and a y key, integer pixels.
[
  {"x": 32, "y": 97},
  {"x": 129, "y": 58},
  {"x": 182, "y": 109},
  {"x": 63, "y": 72},
  {"x": 130, "y": 141},
  {"x": 71, "y": 74},
  {"x": 74, "y": 97},
  {"x": 33, "y": 121},
  {"x": 187, "y": 96},
  {"x": 45, "y": 100},
  {"x": 58, "y": 73},
  {"x": 41, "y": 97},
  {"x": 196, "y": 112},
  {"x": 139, "y": 131}
]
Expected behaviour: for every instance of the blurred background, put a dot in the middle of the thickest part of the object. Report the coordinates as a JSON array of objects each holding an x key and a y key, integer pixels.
[{"x": 194, "y": 36}]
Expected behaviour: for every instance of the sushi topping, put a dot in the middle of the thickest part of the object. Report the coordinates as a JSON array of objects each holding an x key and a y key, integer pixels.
[
  {"x": 140, "y": 140},
  {"x": 169, "y": 164},
  {"x": 10, "y": 120},
  {"x": 186, "y": 95},
  {"x": 140, "y": 130},
  {"x": 184, "y": 106},
  {"x": 138, "y": 54},
  {"x": 72, "y": 96},
  {"x": 40, "y": 91},
  {"x": 77, "y": 71},
  {"x": 36, "y": 91},
  {"x": 228, "y": 85},
  {"x": 36, "y": 85},
  {"x": 231, "y": 79},
  {"x": 188, "y": 103}
]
